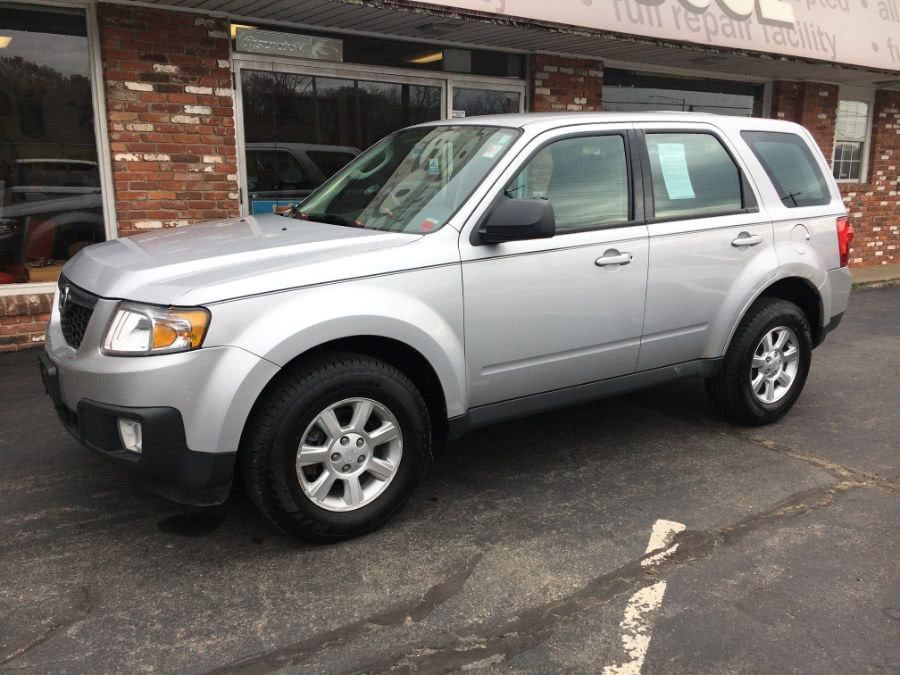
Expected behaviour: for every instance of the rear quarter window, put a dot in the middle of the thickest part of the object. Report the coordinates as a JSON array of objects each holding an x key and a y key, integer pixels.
[{"x": 791, "y": 167}]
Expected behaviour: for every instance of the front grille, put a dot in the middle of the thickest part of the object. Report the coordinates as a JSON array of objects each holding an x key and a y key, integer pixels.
[{"x": 75, "y": 309}]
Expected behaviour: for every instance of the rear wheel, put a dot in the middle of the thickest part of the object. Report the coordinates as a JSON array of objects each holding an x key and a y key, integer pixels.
[
  {"x": 766, "y": 365},
  {"x": 334, "y": 449}
]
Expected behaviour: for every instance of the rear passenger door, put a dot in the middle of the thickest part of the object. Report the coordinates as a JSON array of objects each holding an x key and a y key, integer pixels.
[{"x": 710, "y": 243}]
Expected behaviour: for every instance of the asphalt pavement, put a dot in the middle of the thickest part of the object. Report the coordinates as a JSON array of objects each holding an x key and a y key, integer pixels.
[{"x": 634, "y": 534}]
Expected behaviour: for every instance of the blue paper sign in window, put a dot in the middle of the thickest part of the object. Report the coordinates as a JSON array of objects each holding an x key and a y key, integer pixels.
[{"x": 673, "y": 163}]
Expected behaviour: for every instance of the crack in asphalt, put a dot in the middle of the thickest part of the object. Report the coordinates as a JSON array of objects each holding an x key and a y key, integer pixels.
[
  {"x": 80, "y": 608},
  {"x": 839, "y": 471},
  {"x": 411, "y": 611},
  {"x": 533, "y": 626},
  {"x": 477, "y": 645}
]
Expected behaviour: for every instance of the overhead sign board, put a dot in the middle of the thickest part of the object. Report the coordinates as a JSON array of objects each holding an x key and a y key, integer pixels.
[
  {"x": 273, "y": 43},
  {"x": 853, "y": 32}
]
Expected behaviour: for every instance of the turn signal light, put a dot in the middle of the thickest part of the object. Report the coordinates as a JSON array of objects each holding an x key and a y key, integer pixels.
[{"x": 845, "y": 239}]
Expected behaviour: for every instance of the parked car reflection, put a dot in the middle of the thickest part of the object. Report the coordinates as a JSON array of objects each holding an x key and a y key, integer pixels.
[
  {"x": 279, "y": 174},
  {"x": 51, "y": 209}
]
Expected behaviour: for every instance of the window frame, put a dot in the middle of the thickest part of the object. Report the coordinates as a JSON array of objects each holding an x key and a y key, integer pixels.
[
  {"x": 101, "y": 132},
  {"x": 858, "y": 95},
  {"x": 633, "y": 175},
  {"x": 749, "y": 200}
]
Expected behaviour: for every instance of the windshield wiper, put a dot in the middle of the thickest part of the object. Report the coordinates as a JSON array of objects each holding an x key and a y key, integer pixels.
[
  {"x": 793, "y": 197},
  {"x": 330, "y": 218}
]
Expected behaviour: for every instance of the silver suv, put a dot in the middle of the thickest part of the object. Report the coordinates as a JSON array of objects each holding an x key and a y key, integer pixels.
[{"x": 453, "y": 275}]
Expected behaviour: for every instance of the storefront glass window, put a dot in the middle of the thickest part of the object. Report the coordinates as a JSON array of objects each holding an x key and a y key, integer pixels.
[
  {"x": 50, "y": 197},
  {"x": 300, "y": 129},
  {"x": 469, "y": 102},
  {"x": 626, "y": 91},
  {"x": 421, "y": 56}
]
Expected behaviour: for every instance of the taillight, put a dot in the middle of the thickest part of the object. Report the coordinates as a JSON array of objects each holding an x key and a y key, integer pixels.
[{"x": 845, "y": 238}]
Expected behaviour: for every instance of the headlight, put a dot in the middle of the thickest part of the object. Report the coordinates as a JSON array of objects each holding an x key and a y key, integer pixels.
[{"x": 138, "y": 330}]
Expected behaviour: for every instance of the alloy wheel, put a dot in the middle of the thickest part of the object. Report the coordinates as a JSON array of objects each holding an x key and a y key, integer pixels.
[
  {"x": 349, "y": 454},
  {"x": 776, "y": 361}
]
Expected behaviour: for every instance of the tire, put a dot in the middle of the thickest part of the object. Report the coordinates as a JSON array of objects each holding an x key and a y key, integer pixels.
[
  {"x": 295, "y": 409},
  {"x": 732, "y": 391}
]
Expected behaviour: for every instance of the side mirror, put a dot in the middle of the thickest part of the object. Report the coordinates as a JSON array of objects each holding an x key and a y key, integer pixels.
[{"x": 517, "y": 220}]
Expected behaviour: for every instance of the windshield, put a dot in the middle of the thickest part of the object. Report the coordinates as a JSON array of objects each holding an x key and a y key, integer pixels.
[{"x": 412, "y": 181}]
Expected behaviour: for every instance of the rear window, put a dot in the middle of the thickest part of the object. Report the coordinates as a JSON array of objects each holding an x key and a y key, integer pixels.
[{"x": 791, "y": 167}]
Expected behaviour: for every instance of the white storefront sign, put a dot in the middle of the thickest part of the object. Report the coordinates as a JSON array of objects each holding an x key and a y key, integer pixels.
[{"x": 853, "y": 32}]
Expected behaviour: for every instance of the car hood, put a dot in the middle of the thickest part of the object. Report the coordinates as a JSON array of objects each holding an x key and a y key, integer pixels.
[{"x": 226, "y": 259}]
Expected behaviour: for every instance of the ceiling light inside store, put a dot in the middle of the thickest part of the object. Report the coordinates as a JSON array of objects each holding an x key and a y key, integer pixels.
[
  {"x": 431, "y": 57},
  {"x": 235, "y": 27},
  {"x": 4, "y": 41}
]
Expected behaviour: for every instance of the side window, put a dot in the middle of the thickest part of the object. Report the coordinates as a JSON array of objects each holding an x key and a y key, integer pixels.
[
  {"x": 271, "y": 170},
  {"x": 330, "y": 163},
  {"x": 260, "y": 170},
  {"x": 693, "y": 176},
  {"x": 791, "y": 167},
  {"x": 290, "y": 174},
  {"x": 585, "y": 178}
]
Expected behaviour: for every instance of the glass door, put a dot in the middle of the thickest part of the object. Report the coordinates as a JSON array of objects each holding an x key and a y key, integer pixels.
[{"x": 299, "y": 128}]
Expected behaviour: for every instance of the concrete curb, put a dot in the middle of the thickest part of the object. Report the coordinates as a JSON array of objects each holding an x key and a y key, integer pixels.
[{"x": 876, "y": 283}]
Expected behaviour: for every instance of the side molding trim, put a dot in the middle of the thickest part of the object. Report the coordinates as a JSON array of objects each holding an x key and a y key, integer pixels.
[{"x": 493, "y": 413}]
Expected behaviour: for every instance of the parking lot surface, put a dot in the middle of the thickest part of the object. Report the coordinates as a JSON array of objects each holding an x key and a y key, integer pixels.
[{"x": 638, "y": 533}]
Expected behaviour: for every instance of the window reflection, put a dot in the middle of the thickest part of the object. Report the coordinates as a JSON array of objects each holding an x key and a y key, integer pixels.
[
  {"x": 50, "y": 199},
  {"x": 471, "y": 102},
  {"x": 626, "y": 91},
  {"x": 300, "y": 130},
  {"x": 585, "y": 179}
]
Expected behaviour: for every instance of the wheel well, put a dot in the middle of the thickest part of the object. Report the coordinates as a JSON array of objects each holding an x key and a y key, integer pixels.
[
  {"x": 400, "y": 355},
  {"x": 805, "y": 296}
]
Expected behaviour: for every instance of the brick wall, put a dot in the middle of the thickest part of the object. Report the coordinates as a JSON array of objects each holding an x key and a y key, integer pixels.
[
  {"x": 22, "y": 320},
  {"x": 169, "y": 99},
  {"x": 875, "y": 205},
  {"x": 170, "y": 115},
  {"x": 560, "y": 84}
]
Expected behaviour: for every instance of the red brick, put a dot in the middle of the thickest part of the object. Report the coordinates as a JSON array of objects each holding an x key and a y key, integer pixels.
[
  {"x": 578, "y": 89},
  {"x": 814, "y": 106},
  {"x": 132, "y": 40}
]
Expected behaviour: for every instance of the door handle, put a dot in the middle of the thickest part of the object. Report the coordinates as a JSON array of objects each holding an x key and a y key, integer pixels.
[
  {"x": 745, "y": 239},
  {"x": 613, "y": 258}
]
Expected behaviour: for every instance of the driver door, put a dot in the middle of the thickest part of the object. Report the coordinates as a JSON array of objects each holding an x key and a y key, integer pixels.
[{"x": 552, "y": 313}]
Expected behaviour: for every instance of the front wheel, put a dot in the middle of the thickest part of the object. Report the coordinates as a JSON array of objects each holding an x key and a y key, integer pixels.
[
  {"x": 335, "y": 447},
  {"x": 766, "y": 365}
]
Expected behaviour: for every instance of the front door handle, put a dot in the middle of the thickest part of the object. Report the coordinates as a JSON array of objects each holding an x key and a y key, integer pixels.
[
  {"x": 745, "y": 239},
  {"x": 613, "y": 258}
]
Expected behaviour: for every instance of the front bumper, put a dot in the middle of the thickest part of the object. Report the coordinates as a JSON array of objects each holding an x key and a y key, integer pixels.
[
  {"x": 168, "y": 465},
  {"x": 194, "y": 404}
]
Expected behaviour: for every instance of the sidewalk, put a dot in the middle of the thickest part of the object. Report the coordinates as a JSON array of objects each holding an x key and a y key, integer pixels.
[{"x": 876, "y": 276}]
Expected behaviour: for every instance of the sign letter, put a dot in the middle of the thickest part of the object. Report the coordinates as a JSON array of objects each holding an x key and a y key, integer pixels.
[
  {"x": 742, "y": 9},
  {"x": 776, "y": 11},
  {"x": 696, "y": 5}
]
